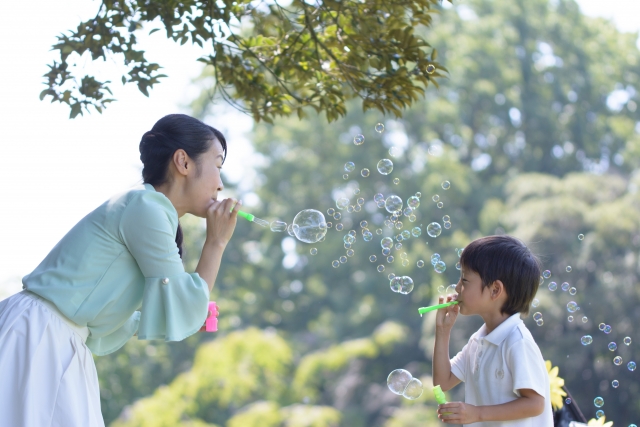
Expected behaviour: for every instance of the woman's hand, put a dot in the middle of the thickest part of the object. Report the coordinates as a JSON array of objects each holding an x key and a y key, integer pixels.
[
  {"x": 203, "y": 328},
  {"x": 446, "y": 317},
  {"x": 458, "y": 413},
  {"x": 221, "y": 220}
]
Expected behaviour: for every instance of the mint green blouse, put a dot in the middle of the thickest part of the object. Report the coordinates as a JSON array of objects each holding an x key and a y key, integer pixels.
[{"x": 120, "y": 258}]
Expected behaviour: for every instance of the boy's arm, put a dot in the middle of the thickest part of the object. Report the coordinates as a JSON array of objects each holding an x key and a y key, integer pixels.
[
  {"x": 530, "y": 404},
  {"x": 441, "y": 366}
]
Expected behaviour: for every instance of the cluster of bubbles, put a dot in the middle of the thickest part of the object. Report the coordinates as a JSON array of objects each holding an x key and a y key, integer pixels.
[
  {"x": 438, "y": 264},
  {"x": 400, "y": 284},
  {"x": 402, "y": 383}
]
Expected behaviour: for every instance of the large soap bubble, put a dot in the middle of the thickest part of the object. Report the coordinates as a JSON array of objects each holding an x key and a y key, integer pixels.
[
  {"x": 398, "y": 380},
  {"x": 434, "y": 229},
  {"x": 393, "y": 204},
  {"x": 385, "y": 166},
  {"x": 309, "y": 226},
  {"x": 413, "y": 390}
]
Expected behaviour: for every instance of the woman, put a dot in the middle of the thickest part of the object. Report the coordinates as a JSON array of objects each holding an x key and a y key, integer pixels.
[{"x": 124, "y": 256}]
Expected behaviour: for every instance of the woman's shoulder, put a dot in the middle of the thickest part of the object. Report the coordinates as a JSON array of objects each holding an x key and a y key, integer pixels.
[{"x": 143, "y": 201}]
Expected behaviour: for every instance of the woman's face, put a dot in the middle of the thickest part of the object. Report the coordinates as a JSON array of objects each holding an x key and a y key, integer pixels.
[{"x": 203, "y": 188}]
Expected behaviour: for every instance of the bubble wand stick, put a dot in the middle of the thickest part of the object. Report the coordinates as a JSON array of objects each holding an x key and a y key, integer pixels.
[
  {"x": 423, "y": 310},
  {"x": 252, "y": 218}
]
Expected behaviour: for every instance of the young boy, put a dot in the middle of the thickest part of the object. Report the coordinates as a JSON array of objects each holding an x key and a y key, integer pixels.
[{"x": 506, "y": 381}]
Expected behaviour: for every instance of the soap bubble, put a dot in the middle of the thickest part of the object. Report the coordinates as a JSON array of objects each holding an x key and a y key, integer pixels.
[
  {"x": 393, "y": 204},
  {"x": 342, "y": 203},
  {"x": 348, "y": 238},
  {"x": 447, "y": 225},
  {"x": 440, "y": 267},
  {"x": 435, "y": 258},
  {"x": 631, "y": 366},
  {"x": 379, "y": 128},
  {"x": 546, "y": 274},
  {"x": 399, "y": 226},
  {"x": 364, "y": 172},
  {"x": 553, "y": 286},
  {"x": 358, "y": 139},
  {"x": 386, "y": 242},
  {"x": 601, "y": 326},
  {"x": 615, "y": 383},
  {"x": 406, "y": 235},
  {"x": 396, "y": 181},
  {"x": 617, "y": 360},
  {"x": 350, "y": 252},
  {"x": 568, "y": 269},
  {"x": 386, "y": 251},
  {"x": 607, "y": 329},
  {"x": 598, "y": 401},
  {"x": 339, "y": 226},
  {"x": 405, "y": 262},
  {"x": 565, "y": 286},
  {"x": 416, "y": 232},
  {"x": 440, "y": 289},
  {"x": 572, "y": 291},
  {"x": 395, "y": 284},
  {"x": 367, "y": 236},
  {"x": 446, "y": 185},
  {"x": 394, "y": 151},
  {"x": 599, "y": 414},
  {"x": 537, "y": 316},
  {"x": 586, "y": 340},
  {"x": 413, "y": 389},
  {"x": 343, "y": 259},
  {"x": 627, "y": 340},
  {"x": 337, "y": 216},
  {"x": 440, "y": 205},
  {"x": 335, "y": 263},
  {"x": 380, "y": 268},
  {"x": 434, "y": 229},
  {"x": 385, "y": 166},
  {"x": 378, "y": 197},
  {"x": 570, "y": 318},
  {"x": 278, "y": 226},
  {"x": 580, "y": 236},
  {"x": 535, "y": 303},
  {"x": 612, "y": 346},
  {"x": 373, "y": 258},
  {"x": 420, "y": 263},
  {"x": 458, "y": 266},
  {"x": 435, "y": 198},
  {"x": 412, "y": 218},
  {"x": 313, "y": 251},
  {"x": 349, "y": 167},
  {"x": 460, "y": 252},
  {"x": 331, "y": 211},
  {"x": 360, "y": 201},
  {"x": 451, "y": 290},
  {"x": 446, "y": 218},
  {"x": 407, "y": 285},
  {"x": 572, "y": 307},
  {"x": 413, "y": 202},
  {"x": 398, "y": 380},
  {"x": 379, "y": 231},
  {"x": 585, "y": 319},
  {"x": 568, "y": 401},
  {"x": 391, "y": 276},
  {"x": 540, "y": 322}
]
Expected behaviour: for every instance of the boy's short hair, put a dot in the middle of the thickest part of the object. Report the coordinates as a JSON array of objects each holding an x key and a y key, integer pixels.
[{"x": 507, "y": 259}]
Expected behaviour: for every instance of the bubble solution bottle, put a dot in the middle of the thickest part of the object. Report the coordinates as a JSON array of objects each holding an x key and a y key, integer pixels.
[{"x": 440, "y": 398}]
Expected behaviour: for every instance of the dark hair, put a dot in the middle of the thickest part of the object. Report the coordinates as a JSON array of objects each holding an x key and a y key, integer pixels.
[
  {"x": 507, "y": 259},
  {"x": 169, "y": 134}
]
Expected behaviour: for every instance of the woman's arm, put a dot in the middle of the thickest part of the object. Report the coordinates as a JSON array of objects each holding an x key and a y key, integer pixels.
[
  {"x": 209, "y": 263},
  {"x": 530, "y": 404}
]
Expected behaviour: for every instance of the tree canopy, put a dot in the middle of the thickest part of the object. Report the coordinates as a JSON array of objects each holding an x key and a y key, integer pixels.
[{"x": 269, "y": 58}]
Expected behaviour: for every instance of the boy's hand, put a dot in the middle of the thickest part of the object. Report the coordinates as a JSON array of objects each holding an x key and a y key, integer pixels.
[
  {"x": 458, "y": 413},
  {"x": 446, "y": 317}
]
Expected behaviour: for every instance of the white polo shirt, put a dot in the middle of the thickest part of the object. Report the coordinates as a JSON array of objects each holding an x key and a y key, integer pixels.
[{"x": 493, "y": 367}]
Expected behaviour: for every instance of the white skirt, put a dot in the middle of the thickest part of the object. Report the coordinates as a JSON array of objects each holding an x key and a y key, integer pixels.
[{"x": 47, "y": 374}]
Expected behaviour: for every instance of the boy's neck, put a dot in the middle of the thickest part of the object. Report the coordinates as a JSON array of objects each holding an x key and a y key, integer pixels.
[{"x": 493, "y": 320}]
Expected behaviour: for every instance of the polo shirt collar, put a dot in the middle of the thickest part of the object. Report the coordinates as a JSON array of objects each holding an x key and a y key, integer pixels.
[{"x": 500, "y": 333}]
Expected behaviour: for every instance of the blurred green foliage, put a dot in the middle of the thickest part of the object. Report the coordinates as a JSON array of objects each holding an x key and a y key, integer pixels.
[
  {"x": 538, "y": 132},
  {"x": 270, "y": 59}
]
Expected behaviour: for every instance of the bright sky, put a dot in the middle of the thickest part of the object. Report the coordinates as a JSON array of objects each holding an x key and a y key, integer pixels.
[{"x": 57, "y": 170}]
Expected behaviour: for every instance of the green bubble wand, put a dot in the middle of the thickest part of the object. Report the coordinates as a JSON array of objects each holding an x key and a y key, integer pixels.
[
  {"x": 440, "y": 397},
  {"x": 250, "y": 217},
  {"x": 423, "y": 310}
]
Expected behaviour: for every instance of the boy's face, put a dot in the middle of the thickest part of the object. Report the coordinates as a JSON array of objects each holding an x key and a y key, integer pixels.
[{"x": 473, "y": 298}]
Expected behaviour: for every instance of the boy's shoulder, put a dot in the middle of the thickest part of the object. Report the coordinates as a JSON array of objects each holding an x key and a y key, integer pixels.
[{"x": 520, "y": 334}]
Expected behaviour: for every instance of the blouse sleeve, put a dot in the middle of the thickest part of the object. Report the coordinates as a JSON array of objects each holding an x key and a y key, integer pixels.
[{"x": 174, "y": 302}]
